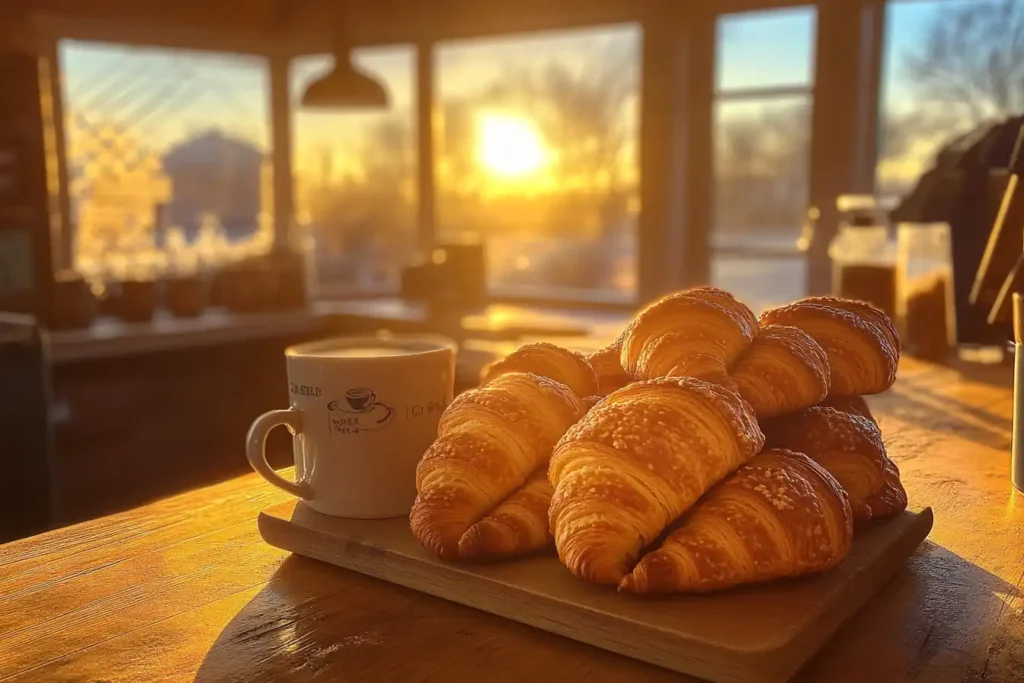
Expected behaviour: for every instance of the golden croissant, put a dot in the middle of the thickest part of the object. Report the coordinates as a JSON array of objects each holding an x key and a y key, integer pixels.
[
  {"x": 517, "y": 526},
  {"x": 866, "y": 311},
  {"x": 608, "y": 366},
  {"x": 490, "y": 440},
  {"x": 547, "y": 360},
  {"x": 637, "y": 461},
  {"x": 862, "y": 347},
  {"x": 696, "y": 333},
  {"x": 777, "y": 516},
  {"x": 850, "y": 448},
  {"x": 783, "y": 371},
  {"x": 855, "y": 405}
]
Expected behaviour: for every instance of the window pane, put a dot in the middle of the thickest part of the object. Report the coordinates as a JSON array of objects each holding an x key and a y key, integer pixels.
[
  {"x": 761, "y": 164},
  {"x": 354, "y": 174},
  {"x": 766, "y": 49},
  {"x": 761, "y": 283},
  {"x": 949, "y": 65},
  {"x": 537, "y": 157},
  {"x": 165, "y": 147}
]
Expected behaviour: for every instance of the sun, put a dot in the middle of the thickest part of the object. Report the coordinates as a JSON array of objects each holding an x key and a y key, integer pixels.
[{"x": 509, "y": 146}]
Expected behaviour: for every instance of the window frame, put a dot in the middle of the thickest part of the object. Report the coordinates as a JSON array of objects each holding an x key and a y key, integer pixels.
[
  {"x": 677, "y": 97},
  {"x": 765, "y": 95}
]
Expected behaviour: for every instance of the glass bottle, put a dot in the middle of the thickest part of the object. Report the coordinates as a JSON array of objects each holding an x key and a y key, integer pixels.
[
  {"x": 862, "y": 255},
  {"x": 926, "y": 309}
]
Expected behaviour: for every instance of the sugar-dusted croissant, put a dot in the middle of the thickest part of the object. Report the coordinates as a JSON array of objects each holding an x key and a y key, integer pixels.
[
  {"x": 547, "y": 360},
  {"x": 855, "y": 405},
  {"x": 610, "y": 375},
  {"x": 783, "y": 371},
  {"x": 489, "y": 441},
  {"x": 696, "y": 333},
  {"x": 517, "y": 526},
  {"x": 862, "y": 348},
  {"x": 779, "y": 515},
  {"x": 863, "y": 309},
  {"x": 850, "y": 448},
  {"x": 637, "y": 461}
]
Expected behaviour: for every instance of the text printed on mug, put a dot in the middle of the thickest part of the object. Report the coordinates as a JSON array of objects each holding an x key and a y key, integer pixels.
[
  {"x": 304, "y": 390},
  {"x": 362, "y": 412}
]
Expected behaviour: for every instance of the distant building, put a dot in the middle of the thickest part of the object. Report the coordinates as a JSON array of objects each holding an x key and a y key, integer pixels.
[{"x": 215, "y": 174}]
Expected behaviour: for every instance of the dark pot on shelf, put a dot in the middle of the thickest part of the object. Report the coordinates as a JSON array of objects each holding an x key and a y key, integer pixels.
[
  {"x": 289, "y": 279},
  {"x": 72, "y": 305},
  {"x": 218, "y": 292},
  {"x": 137, "y": 300},
  {"x": 186, "y": 296},
  {"x": 248, "y": 287},
  {"x": 107, "y": 303}
]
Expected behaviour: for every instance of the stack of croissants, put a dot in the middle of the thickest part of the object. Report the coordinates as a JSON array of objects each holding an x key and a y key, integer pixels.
[{"x": 704, "y": 449}]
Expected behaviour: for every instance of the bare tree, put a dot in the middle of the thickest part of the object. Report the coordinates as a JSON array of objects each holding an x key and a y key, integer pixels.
[
  {"x": 761, "y": 166},
  {"x": 968, "y": 70},
  {"x": 971, "y": 64}
]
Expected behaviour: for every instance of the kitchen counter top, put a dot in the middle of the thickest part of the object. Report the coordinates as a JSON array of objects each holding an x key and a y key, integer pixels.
[{"x": 185, "y": 589}]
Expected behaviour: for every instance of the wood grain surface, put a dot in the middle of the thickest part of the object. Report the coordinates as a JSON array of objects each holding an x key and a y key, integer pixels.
[
  {"x": 756, "y": 634},
  {"x": 185, "y": 589}
]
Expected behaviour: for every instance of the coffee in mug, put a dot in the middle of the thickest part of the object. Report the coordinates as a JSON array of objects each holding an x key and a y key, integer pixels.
[{"x": 363, "y": 411}]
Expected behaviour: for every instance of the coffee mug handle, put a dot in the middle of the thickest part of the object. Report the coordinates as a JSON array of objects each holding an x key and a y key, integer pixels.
[{"x": 256, "y": 451}]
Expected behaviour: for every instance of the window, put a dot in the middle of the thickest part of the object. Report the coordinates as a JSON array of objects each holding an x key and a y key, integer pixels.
[
  {"x": 164, "y": 147},
  {"x": 354, "y": 174},
  {"x": 948, "y": 66},
  {"x": 537, "y": 158},
  {"x": 764, "y": 89}
]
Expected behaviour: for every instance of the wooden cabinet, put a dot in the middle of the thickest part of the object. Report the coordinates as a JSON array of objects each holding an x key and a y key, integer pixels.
[{"x": 131, "y": 429}]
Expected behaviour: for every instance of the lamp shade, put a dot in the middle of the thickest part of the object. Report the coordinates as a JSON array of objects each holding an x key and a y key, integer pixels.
[{"x": 345, "y": 87}]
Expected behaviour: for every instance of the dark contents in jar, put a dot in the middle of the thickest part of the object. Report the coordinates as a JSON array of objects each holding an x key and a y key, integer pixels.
[
  {"x": 873, "y": 283},
  {"x": 926, "y": 322}
]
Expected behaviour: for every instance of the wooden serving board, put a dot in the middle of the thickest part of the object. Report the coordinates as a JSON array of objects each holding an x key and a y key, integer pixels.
[{"x": 754, "y": 634}]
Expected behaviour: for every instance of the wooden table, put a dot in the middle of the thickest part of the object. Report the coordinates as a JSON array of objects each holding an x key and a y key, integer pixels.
[{"x": 185, "y": 589}]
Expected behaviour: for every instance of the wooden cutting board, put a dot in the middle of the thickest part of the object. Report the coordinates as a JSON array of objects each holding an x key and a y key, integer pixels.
[{"x": 757, "y": 634}]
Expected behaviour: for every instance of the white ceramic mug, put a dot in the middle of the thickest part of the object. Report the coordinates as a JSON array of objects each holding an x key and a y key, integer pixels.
[{"x": 363, "y": 411}]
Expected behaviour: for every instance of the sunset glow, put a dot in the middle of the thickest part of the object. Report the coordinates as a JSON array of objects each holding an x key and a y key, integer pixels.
[{"x": 509, "y": 146}]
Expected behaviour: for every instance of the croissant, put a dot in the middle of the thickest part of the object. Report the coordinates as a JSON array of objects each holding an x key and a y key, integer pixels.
[
  {"x": 861, "y": 346},
  {"x": 637, "y": 461},
  {"x": 856, "y": 405},
  {"x": 547, "y": 360},
  {"x": 783, "y": 371},
  {"x": 863, "y": 309},
  {"x": 850, "y": 448},
  {"x": 610, "y": 375},
  {"x": 696, "y": 333},
  {"x": 489, "y": 441},
  {"x": 779, "y": 515},
  {"x": 517, "y": 526}
]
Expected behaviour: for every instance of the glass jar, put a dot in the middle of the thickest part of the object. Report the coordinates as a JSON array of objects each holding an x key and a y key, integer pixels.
[
  {"x": 862, "y": 255},
  {"x": 926, "y": 311}
]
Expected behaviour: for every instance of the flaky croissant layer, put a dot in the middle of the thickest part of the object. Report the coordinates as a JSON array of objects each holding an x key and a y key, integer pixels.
[
  {"x": 547, "y": 360},
  {"x": 697, "y": 333},
  {"x": 861, "y": 344},
  {"x": 638, "y": 460},
  {"x": 850, "y": 447},
  {"x": 783, "y": 371},
  {"x": 779, "y": 515},
  {"x": 490, "y": 440}
]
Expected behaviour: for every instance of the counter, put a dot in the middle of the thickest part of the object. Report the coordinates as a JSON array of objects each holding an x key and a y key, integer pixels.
[{"x": 185, "y": 589}]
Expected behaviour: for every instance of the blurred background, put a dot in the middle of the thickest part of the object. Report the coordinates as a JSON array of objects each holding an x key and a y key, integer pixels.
[{"x": 172, "y": 214}]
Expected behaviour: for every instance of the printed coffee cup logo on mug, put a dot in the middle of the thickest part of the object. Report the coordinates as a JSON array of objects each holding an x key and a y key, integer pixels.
[
  {"x": 362, "y": 414},
  {"x": 360, "y": 398}
]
